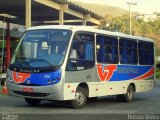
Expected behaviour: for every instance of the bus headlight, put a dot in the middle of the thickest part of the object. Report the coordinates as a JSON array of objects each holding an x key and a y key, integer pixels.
[
  {"x": 9, "y": 79},
  {"x": 49, "y": 82},
  {"x": 54, "y": 81}
]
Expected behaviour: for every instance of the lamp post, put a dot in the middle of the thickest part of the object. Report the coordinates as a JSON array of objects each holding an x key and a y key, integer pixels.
[{"x": 130, "y": 22}]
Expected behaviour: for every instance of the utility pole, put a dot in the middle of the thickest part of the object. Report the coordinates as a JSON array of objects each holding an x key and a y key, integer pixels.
[{"x": 130, "y": 16}]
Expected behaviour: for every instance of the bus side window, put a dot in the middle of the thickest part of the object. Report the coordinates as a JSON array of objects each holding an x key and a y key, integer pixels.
[
  {"x": 107, "y": 49},
  {"x": 128, "y": 51},
  {"x": 124, "y": 51},
  {"x": 89, "y": 51},
  {"x": 146, "y": 53},
  {"x": 100, "y": 50},
  {"x": 82, "y": 52},
  {"x": 73, "y": 54}
]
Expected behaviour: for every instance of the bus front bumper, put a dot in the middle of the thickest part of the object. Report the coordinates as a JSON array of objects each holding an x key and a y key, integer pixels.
[{"x": 52, "y": 92}]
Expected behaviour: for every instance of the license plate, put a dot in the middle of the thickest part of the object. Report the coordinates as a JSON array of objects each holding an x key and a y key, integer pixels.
[{"x": 28, "y": 90}]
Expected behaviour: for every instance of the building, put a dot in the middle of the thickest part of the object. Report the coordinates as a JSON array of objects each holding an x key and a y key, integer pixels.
[
  {"x": 148, "y": 17},
  {"x": 29, "y": 13}
]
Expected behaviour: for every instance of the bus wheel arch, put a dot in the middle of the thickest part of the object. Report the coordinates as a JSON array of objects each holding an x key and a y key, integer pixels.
[
  {"x": 129, "y": 96},
  {"x": 84, "y": 86},
  {"x": 81, "y": 95},
  {"x": 133, "y": 86}
]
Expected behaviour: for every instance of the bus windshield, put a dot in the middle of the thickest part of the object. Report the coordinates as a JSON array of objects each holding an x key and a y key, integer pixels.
[{"x": 41, "y": 49}]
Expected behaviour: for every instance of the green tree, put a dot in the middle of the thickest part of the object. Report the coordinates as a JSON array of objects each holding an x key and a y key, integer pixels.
[
  {"x": 119, "y": 24},
  {"x": 139, "y": 27}
]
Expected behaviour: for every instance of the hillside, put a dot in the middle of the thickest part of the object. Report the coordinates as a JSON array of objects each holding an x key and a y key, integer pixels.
[{"x": 102, "y": 10}]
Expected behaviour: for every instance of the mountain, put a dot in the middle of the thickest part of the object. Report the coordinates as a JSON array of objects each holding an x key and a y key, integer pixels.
[{"x": 102, "y": 10}]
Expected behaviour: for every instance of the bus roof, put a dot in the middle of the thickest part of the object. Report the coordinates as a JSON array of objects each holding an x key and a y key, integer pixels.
[{"x": 90, "y": 29}]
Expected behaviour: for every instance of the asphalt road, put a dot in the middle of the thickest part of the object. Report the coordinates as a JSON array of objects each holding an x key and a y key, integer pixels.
[{"x": 147, "y": 103}]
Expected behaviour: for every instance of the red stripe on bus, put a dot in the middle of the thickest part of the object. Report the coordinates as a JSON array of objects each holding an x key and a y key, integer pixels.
[{"x": 147, "y": 74}]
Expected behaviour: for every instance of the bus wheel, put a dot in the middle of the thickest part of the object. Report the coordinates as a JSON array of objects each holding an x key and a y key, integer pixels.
[
  {"x": 128, "y": 97},
  {"x": 80, "y": 98},
  {"x": 33, "y": 102}
]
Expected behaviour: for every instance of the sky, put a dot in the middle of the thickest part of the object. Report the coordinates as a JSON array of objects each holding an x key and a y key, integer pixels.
[{"x": 143, "y": 6}]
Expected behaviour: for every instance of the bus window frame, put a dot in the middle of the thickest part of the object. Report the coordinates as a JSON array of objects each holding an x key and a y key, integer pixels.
[
  {"x": 153, "y": 50},
  {"x": 70, "y": 50},
  {"x": 42, "y": 69},
  {"x": 110, "y": 36},
  {"x": 137, "y": 53}
]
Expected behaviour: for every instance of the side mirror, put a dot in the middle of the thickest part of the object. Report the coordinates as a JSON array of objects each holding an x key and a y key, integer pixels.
[{"x": 73, "y": 54}]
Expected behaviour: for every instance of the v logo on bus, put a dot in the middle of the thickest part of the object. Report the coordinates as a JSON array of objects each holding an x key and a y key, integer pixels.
[
  {"x": 20, "y": 77},
  {"x": 105, "y": 72}
]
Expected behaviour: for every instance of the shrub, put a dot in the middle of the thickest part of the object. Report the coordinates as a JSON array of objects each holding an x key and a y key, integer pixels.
[{"x": 158, "y": 73}]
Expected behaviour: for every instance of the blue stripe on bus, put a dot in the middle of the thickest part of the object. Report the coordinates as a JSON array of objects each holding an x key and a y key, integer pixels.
[
  {"x": 44, "y": 79},
  {"x": 125, "y": 72}
]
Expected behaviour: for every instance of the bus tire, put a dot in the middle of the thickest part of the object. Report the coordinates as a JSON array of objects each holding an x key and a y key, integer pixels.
[
  {"x": 33, "y": 102},
  {"x": 128, "y": 97},
  {"x": 80, "y": 98}
]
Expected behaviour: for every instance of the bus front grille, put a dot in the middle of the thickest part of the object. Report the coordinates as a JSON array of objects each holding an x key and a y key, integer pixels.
[{"x": 35, "y": 94}]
